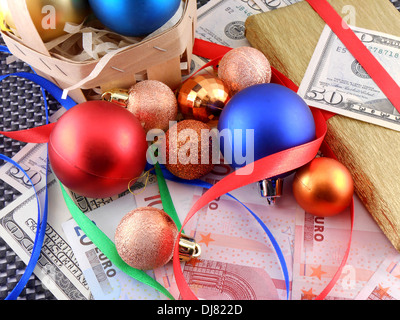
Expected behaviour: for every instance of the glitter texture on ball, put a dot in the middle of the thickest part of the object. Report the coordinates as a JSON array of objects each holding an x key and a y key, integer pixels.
[
  {"x": 189, "y": 154},
  {"x": 243, "y": 67},
  {"x": 153, "y": 103},
  {"x": 145, "y": 238}
]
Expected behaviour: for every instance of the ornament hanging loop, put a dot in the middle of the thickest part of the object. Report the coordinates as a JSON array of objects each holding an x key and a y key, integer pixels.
[
  {"x": 188, "y": 249},
  {"x": 118, "y": 96},
  {"x": 147, "y": 175},
  {"x": 271, "y": 189}
]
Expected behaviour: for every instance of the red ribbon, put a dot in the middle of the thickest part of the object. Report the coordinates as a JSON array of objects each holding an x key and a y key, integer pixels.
[{"x": 35, "y": 135}]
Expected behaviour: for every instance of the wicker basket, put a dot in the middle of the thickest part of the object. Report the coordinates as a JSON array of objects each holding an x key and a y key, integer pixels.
[{"x": 163, "y": 57}]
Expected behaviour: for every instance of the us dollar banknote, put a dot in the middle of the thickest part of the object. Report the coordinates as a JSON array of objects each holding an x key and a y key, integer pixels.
[
  {"x": 57, "y": 266},
  {"x": 32, "y": 158},
  {"x": 335, "y": 80},
  {"x": 268, "y": 5},
  {"x": 223, "y": 21}
]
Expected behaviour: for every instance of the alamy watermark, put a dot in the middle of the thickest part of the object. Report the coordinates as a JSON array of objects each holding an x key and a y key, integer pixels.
[
  {"x": 349, "y": 17},
  {"x": 238, "y": 147},
  {"x": 49, "y": 21}
]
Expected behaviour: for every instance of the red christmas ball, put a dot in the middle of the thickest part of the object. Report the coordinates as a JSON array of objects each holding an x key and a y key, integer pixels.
[{"x": 96, "y": 148}]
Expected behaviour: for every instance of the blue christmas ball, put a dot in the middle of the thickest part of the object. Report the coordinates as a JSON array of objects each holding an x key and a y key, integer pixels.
[
  {"x": 134, "y": 18},
  {"x": 278, "y": 118}
]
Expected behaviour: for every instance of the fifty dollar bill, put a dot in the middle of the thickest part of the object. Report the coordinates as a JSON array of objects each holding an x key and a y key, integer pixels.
[
  {"x": 335, "y": 81},
  {"x": 57, "y": 266}
]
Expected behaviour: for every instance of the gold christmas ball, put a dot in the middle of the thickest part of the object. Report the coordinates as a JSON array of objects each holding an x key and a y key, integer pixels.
[
  {"x": 189, "y": 149},
  {"x": 153, "y": 103},
  {"x": 203, "y": 98},
  {"x": 145, "y": 238},
  {"x": 243, "y": 67},
  {"x": 5, "y": 13},
  {"x": 50, "y": 16},
  {"x": 324, "y": 187}
]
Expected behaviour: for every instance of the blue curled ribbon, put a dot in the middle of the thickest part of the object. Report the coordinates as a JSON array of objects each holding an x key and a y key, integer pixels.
[
  {"x": 67, "y": 103},
  {"x": 200, "y": 183},
  {"x": 39, "y": 237}
]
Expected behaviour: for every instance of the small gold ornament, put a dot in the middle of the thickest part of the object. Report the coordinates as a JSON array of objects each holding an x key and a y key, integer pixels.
[{"x": 324, "y": 187}]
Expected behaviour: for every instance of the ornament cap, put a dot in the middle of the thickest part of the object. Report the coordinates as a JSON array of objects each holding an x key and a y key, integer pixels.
[
  {"x": 271, "y": 189},
  {"x": 118, "y": 96},
  {"x": 188, "y": 248}
]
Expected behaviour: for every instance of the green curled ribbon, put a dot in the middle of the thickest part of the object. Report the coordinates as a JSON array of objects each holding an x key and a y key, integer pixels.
[{"x": 166, "y": 199}]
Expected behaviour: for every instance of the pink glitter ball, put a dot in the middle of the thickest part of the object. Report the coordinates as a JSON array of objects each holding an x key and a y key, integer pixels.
[
  {"x": 153, "y": 103},
  {"x": 145, "y": 238},
  {"x": 243, "y": 67}
]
